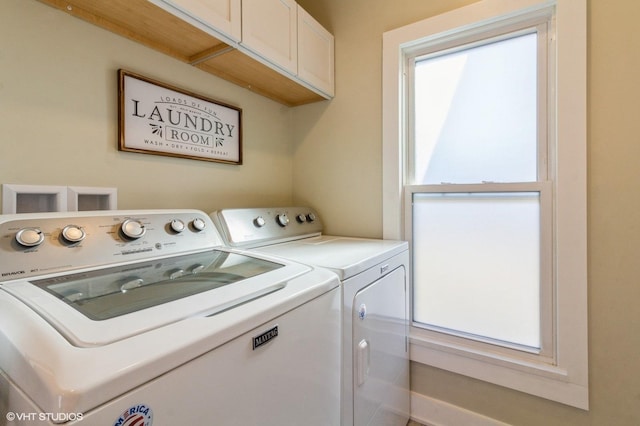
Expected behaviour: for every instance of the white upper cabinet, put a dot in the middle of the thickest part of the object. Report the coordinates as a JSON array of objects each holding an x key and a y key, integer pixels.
[
  {"x": 271, "y": 47},
  {"x": 278, "y": 33},
  {"x": 223, "y": 16},
  {"x": 269, "y": 29},
  {"x": 315, "y": 53}
]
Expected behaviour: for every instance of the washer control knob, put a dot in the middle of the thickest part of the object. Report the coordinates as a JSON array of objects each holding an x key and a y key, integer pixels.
[
  {"x": 132, "y": 229},
  {"x": 311, "y": 217},
  {"x": 196, "y": 269},
  {"x": 198, "y": 224},
  {"x": 30, "y": 237},
  {"x": 259, "y": 222},
  {"x": 175, "y": 273},
  {"x": 130, "y": 284},
  {"x": 177, "y": 226},
  {"x": 301, "y": 218},
  {"x": 73, "y": 234},
  {"x": 282, "y": 219}
]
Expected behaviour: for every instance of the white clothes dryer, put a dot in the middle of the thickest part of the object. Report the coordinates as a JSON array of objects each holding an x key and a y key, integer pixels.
[
  {"x": 374, "y": 280},
  {"x": 139, "y": 317}
]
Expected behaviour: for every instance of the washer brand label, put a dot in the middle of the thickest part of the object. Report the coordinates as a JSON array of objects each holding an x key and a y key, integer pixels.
[
  {"x": 138, "y": 415},
  {"x": 265, "y": 337},
  {"x": 12, "y": 273}
]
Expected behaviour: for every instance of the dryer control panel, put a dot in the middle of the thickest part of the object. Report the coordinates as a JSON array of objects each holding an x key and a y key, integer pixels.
[
  {"x": 43, "y": 243},
  {"x": 255, "y": 227}
]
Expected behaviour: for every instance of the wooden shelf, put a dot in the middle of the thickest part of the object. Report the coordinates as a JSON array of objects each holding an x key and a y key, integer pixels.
[
  {"x": 154, "y": 27},
  {"x": 238, "y": 68}
]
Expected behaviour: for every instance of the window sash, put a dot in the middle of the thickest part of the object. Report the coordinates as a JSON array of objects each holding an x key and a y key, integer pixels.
[
  {"x": 547, "y": 351},
  {"x": 543, "y": 26}
]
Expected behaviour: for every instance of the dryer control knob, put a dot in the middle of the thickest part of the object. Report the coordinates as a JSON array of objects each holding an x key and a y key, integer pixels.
[
  {"x": 198, "y": 224},
  {"x": 132, "y": 229},
  {"x": 176, "y": 226},
  {"x": 30, "y": 237},
  {"x": 282, "y": 219},
  {"x": 311, "y": 217},
  {"x": 73, "y": 234},
  {"x": 259, "y": 222},
  {"x": 301, "y": 218}
]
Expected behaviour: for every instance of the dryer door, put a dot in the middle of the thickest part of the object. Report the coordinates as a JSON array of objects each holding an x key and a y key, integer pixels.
[{"x": 380, "y": 352}]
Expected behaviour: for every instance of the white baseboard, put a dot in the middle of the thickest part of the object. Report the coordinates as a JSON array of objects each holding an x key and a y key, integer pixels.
[{"x": 434, "y": 412}]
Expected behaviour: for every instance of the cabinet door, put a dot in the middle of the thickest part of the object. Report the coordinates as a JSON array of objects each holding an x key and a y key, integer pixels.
[
  {"x": 222, "y": 15},
  {"x": 380, "y": 354},
  {"x": 315, "y": 53},
  {"x": 269, "y": 29}
]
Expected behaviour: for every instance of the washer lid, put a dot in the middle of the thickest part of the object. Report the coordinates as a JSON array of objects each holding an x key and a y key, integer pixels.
[{"x": 98, "y": 307}]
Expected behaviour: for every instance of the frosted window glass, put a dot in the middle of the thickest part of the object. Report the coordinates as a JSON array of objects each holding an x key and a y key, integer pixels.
[
  {"x": 477, "y": 264},
  {"x": 476, "y": 114}
]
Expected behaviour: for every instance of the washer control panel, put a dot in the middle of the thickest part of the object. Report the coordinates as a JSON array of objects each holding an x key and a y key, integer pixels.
[
  {"x": 36, "y": 244},
  {"x": 253, "y": 227}
]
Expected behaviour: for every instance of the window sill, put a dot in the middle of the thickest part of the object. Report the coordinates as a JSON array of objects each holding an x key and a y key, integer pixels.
[{"x": 540, "y": 379}]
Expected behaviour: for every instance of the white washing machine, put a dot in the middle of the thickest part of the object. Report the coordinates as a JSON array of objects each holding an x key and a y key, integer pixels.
[
  {"x": 374, "y": 278},
  {"x": 143, "y": 317}
]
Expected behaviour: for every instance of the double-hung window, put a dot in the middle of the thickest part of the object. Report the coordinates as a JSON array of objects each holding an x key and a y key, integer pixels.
[
  {"x": 484, "y": 173},
  {"x": 478, "y": 187}
]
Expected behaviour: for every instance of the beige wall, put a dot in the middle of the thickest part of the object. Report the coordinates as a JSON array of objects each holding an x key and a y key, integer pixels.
[
  {"x": 58, "y": 119},
  {"x": 344, "y": 138},
  {"x": 58, "y": 122},
  {"x": 337, "y": 144}
]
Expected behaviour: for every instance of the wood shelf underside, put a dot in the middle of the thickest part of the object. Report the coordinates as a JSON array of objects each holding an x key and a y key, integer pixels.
[{"x": 152, "y": 26}]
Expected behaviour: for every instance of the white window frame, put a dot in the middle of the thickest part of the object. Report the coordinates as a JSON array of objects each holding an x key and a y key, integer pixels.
[{"x": 565, "y": 378}]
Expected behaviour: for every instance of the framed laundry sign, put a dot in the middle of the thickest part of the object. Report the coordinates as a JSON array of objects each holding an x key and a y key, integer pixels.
[{"x": 156, "y": 118}]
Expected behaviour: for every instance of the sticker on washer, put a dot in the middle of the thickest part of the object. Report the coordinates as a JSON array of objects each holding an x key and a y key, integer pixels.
[
  {"x": 362, "y": 312},
  {"x": 137, "y": 415}
]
